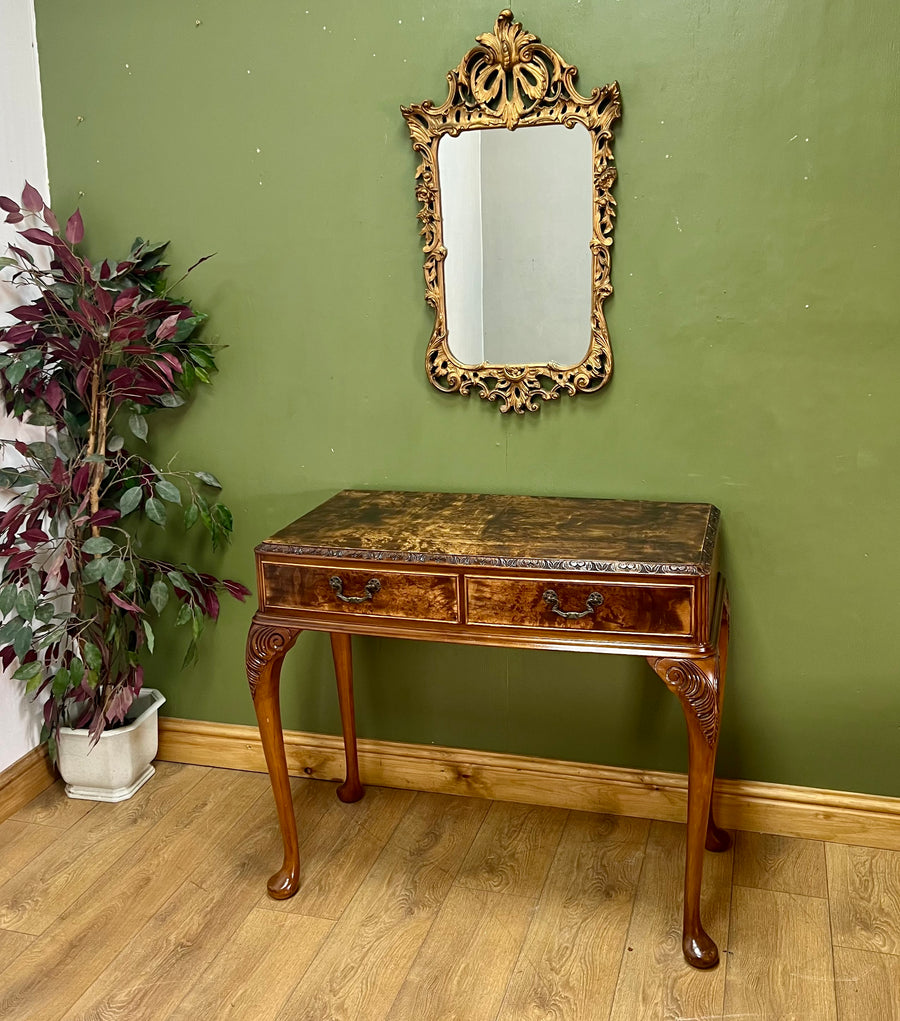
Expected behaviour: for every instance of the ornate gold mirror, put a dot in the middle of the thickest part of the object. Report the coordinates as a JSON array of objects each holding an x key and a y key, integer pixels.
[{"x": 517, "y": 223}]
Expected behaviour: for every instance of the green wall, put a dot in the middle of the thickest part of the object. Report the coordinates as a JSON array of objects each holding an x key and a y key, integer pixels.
[{"x": 753, "y": 326}]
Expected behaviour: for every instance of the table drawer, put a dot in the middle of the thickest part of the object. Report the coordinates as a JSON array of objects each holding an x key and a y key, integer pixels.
[
  {"x": 370, "y": 591},
  {"x": 590, "y": 605}
]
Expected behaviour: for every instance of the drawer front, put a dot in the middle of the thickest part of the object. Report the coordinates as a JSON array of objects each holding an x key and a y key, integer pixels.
[
  {"x": 369, "y": 591},
  {"x": 638, "y": 609}
]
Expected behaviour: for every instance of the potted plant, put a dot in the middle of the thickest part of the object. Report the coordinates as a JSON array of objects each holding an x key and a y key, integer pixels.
[{"x": 97, "y": 349}]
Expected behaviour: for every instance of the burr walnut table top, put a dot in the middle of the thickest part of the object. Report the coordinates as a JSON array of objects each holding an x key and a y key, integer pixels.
[{"x": 468, "y": 529}]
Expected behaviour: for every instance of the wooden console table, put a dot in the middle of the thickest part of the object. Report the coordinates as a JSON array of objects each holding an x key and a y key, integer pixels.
[{"x": 532, "y": 572}]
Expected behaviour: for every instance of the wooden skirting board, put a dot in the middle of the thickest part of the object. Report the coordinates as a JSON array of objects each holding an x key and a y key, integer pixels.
[
  {"x": 862, "y": 819},
  {"x": 24, "y": 780}
]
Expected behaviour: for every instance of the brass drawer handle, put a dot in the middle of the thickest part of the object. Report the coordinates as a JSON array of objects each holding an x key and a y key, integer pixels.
[
  {"x": 372, "y": 586},
  {"x": 593, "y": 601}
]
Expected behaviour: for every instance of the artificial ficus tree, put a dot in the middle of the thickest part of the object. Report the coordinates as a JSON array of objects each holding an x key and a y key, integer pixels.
[{"x": 99, "y": 349}]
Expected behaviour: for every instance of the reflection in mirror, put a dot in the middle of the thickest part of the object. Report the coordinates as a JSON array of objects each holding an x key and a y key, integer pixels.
[{"x": 517, "y": 207}]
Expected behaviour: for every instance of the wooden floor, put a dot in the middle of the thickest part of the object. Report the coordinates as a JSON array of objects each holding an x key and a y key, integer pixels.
[{"x": 422, "y": 907}]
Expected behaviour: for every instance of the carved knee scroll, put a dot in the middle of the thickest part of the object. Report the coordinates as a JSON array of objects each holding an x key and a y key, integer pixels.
[
  {"x": 265, "y": 642},
  {"x": 696, "y": 683}
]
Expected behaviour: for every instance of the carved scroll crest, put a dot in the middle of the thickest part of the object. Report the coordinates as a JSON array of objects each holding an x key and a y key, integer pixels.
[{"x": 512, "y": 80}]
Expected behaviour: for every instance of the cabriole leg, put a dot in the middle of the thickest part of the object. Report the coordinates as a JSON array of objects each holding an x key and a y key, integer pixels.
[
  {"x": 699, "y": 685},
  {"x": 267, "y": 645},
  {"x": 351, "y": 789}
]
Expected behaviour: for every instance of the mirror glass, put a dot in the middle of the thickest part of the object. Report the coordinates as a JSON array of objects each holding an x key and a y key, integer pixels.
[{"x": 517, "y": 218}]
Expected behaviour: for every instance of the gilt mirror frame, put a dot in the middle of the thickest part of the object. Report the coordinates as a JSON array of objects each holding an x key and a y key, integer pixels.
[{"x": 512, "y": 80}]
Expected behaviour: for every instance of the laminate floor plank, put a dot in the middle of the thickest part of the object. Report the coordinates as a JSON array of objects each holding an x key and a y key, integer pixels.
[
  {"x": 32, "y": 899},
  {"x": 362, "y": 964},
  {"x": 149, "y": 977},
  {"x": 11, "y": 945},
  {"x": 463, "y": 967},
  {"x": 867, "y": 985},
  {"x": 780, "y": 965},
  {"x": 53, "y": 807},
  {"x": 765, "y": 861},
  {"x": 569, "y": 963},
  {"x": 655, "y": 983},
  {"x": 864, "y": 893},
  {"x": 58, "y": 966},
  {"x": 513, "y": 850},
  {"x": 257, "y": 969},
  {"x": 338, "y": 850},
  {"x": 21, "y": 843}
]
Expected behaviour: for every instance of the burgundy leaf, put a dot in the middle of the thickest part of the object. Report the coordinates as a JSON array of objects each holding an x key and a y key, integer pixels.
[
  {"x": 124, "y": 603},
  {"x": 57, "y": 473},
  {"x": 236, "y": 589},
  {"x": 126, "y": 298},
  {"x": 50, "y": 217},
  {"x": 138, "y": 681},
  {"x": 75, "y": 228},
  {"x": 53, "y": 395},
  {"x": 31, "y": 199},
  {"x": 105, "y": 516},
  {"x": 104, "y": 300},
  {"x": 34, "y": 536},
  {"x": 14, "y": 218},
  {"x": 8, "y": 204},
  {"x": 81, "y": 480},
  {"x": 64, "y": 574},
  {"x": 7, "y": 655},
  {"x": 167, "y": 328},
  {"x": 81, "y": 380},
  {"x": 39, "y": 237},
  {"x": 105, "y": 271}
]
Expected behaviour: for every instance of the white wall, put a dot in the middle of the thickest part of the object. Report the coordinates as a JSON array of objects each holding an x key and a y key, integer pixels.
[{"x": 22, "y": 156}]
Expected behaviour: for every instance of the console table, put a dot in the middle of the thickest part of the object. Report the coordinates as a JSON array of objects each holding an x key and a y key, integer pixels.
[{"x": 611, "y": 576}]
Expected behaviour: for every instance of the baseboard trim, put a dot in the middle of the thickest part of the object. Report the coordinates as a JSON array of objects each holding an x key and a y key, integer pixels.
[
  {"x": 862, "y": 819},
  {"x": 24, "y": 780}
]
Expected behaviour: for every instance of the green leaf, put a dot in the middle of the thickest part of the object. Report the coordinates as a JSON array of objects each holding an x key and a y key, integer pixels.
[
  {"x": 93, "y": 570},
  {"x": 76, "y": 672},
  {"x": 9, "y": 630},
  {"x": 179, "y": 580},
  {"x": 67, "y": 444},
  {"x": 60, "y": 683},
  {"x": 224, "y": 516},
  {"x": 97, "y": 544},
  {"x": 209, "y": 480},
  {"x": 92, "y": 656},
  {"x": 32, "y": 356},
  {"x": 115, "y": 443},
  {"x": 166, "y": 400},
  {"x": 42, "y": 451},
  {"x": 114, "y": 572},
  {"x": 7, "y": 598},
  {"x": 159, "y": 595},
  {"x": 41, "y": 418},
  {"x": 25, "y": 604},
  {"x": 184, "y": 614},
  {"x": 138, "y": 425},
  {"x": 131, "y": 499},
  {"x": 168, "y": 491},
  {"x": 155, "y": 511},
  {"x": 22, "y": 641},
  {"x": 28, "y": 670},
  {"x": 148, "y": 631},
  {"x": 190, "y": 516},
  {"x": 15, "y": 372},
  {"x": 4, "y": 262},
  {"x": 44, "y": 612},
  {"x": 34, "y": 683}
]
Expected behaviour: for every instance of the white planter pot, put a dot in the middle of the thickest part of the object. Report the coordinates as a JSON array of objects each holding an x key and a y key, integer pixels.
[{"x": 120, "y": 762}]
